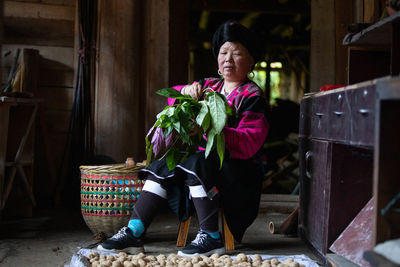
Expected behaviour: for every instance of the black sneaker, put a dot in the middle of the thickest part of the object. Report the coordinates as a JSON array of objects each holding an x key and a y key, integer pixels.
[
  {"x": 203, "y": 245},
  {"x": 123, "y": 241}
]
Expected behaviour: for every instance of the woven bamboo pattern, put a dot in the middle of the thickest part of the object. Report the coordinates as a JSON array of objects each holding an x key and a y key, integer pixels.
[{"x": 108, "y": 194}]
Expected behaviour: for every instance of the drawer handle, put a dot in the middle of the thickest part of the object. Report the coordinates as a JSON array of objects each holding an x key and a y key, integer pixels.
[
  {"x": 319, "y": 114},
  {"x": 338, "y": 113},
  {"x": 308, "y": 164},
  {"x": 364, "y": 111}
]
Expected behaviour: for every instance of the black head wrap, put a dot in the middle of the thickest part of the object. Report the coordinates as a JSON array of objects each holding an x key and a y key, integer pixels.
[{"x": 232, "y": 31}]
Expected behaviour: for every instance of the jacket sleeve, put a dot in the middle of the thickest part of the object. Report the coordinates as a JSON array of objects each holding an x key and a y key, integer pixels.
[{"x": 248, "y": 137}]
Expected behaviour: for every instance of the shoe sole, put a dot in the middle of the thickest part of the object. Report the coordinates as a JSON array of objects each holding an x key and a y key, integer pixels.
[
  {"x": 129, "y": 250},
  {"x": 219, "y": 251}
]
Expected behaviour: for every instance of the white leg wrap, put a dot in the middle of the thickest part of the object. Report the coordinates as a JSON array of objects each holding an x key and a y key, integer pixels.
[
  {"x": 197, "y": 191},
  {"x": 155, "y": 188}
]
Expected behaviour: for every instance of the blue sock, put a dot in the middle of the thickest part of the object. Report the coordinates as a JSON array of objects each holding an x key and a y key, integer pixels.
[
  {"x": 214, "y": 235},
  {"x": 136, "y": 226}
]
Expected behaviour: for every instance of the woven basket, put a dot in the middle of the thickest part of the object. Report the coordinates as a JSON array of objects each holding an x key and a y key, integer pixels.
[{"x": 108, "y": 194}]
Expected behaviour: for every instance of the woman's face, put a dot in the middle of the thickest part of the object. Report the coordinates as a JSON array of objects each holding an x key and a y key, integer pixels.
[{"x": 234, "y": 61}]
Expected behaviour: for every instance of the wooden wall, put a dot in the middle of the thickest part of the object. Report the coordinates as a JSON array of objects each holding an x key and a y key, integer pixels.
[
  {"x": 141, "y": 50},
  {"x": 328, "y": 63},
  {"x": 48, "y": 27},
  {"x": 117, "y": 94}
]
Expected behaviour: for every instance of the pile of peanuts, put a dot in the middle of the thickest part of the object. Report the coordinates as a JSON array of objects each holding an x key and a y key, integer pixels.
[{"x": 215, "y": 260}]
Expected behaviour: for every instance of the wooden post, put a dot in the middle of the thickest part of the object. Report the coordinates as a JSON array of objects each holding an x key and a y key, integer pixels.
[
  {"x": 343, "y": 18},
  {"x": 142, "y": 47},
  {"x": 322, "y": 65},
  {"x": 164, "y": 50},
  {"x": 117, "y": 130}
]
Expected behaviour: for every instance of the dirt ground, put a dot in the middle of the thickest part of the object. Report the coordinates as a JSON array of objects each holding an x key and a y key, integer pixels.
[{"x": 51, "y": 238}]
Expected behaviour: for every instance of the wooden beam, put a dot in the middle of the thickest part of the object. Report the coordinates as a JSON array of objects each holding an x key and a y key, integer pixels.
[
  {"x": 261, "y": 6},
  {"x": 44, "y": 32},
  {"x": 38, "y": 11},
  {"x": 52, "y": 2}
]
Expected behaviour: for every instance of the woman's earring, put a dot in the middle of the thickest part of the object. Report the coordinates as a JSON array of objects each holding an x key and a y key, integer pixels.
[
  {"x": 219, "y": 72},
  {"x": 251, "y": 75}
]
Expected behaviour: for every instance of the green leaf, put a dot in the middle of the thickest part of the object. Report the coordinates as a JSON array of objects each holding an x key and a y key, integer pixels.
[
  {"x": 169, "y": 92},
  {"x": 149, "y": 155},
  {"x": 168, "y": 131},
  {"x": 172, "y": 158},
  {"x": 221, "y": 147},
  {"x": 228, "y": 109},
  {"x": 210, "y": 142},
  {"x": 217, "y": 110},
  {"x": 203, "y": 118},
  {"x": 177, "y": 126}
]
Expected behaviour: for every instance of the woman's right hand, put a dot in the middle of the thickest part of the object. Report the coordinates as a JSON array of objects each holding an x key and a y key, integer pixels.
[{"x": 195, "y": 90}]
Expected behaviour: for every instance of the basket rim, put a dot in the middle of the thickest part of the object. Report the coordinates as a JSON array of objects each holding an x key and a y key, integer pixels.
[{"x": 111, "y": 168}]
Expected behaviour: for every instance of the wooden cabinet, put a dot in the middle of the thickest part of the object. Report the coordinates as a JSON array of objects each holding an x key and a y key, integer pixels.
[{"x": 348, "y": 151}]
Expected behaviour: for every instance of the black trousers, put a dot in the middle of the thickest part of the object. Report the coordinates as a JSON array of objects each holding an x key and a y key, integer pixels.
[{"x": 149, "y": 205}]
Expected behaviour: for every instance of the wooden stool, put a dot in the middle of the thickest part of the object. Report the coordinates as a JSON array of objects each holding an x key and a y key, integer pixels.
[{"x": 226, "y": 233}]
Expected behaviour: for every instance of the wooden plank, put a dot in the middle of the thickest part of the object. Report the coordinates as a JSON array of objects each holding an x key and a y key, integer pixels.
[
  {"x": 53, "y": 2},
  {"x": 266, "y": 7},
  {"x": 279, "y": 198},
  {"x": 38, "y": 11},
  {"x": 322, "y": 64},
  {"x": 59, "y": 2},
  {"x": 357, "y": 237},
  {"x": 168, "y": 46},
  {"x": 343, "y": 18},
  {"x": 52, "y": 57},
  {"x": 155, "y": 38},
  {"x": 46, "y": 32},
  {"x": 339, "y": 261},
  {"x": 118, "y": 81}
]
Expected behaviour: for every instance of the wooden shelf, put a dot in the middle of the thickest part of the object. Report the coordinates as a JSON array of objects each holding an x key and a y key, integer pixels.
[
  {"x": 374, "y": 52},
  {"x": 378, "y": 34}
]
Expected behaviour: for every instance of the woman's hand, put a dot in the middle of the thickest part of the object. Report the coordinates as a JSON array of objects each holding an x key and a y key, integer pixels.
[{"x": 195, "y": 90}]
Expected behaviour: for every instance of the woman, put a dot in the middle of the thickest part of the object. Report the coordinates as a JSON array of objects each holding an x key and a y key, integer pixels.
[{"x": 200, "y": 182}]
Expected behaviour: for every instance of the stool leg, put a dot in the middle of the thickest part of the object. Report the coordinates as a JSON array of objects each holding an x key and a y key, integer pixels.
[
  {"x": 227, "y": 235},
  {"x": 183, "y": 231}
]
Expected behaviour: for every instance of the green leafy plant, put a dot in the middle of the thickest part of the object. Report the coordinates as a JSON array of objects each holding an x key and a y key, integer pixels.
[{"x": 185, "y": 126}]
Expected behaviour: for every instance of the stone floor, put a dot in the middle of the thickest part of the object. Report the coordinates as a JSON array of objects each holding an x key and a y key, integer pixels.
[{"x": 51, "y": 238}]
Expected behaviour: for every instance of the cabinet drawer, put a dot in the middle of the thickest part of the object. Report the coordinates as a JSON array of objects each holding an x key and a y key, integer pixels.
[
  {"x": 363, "y": 116},
  {"x": 340, "y": 116},
  {"x": 319, "y": 117}
]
